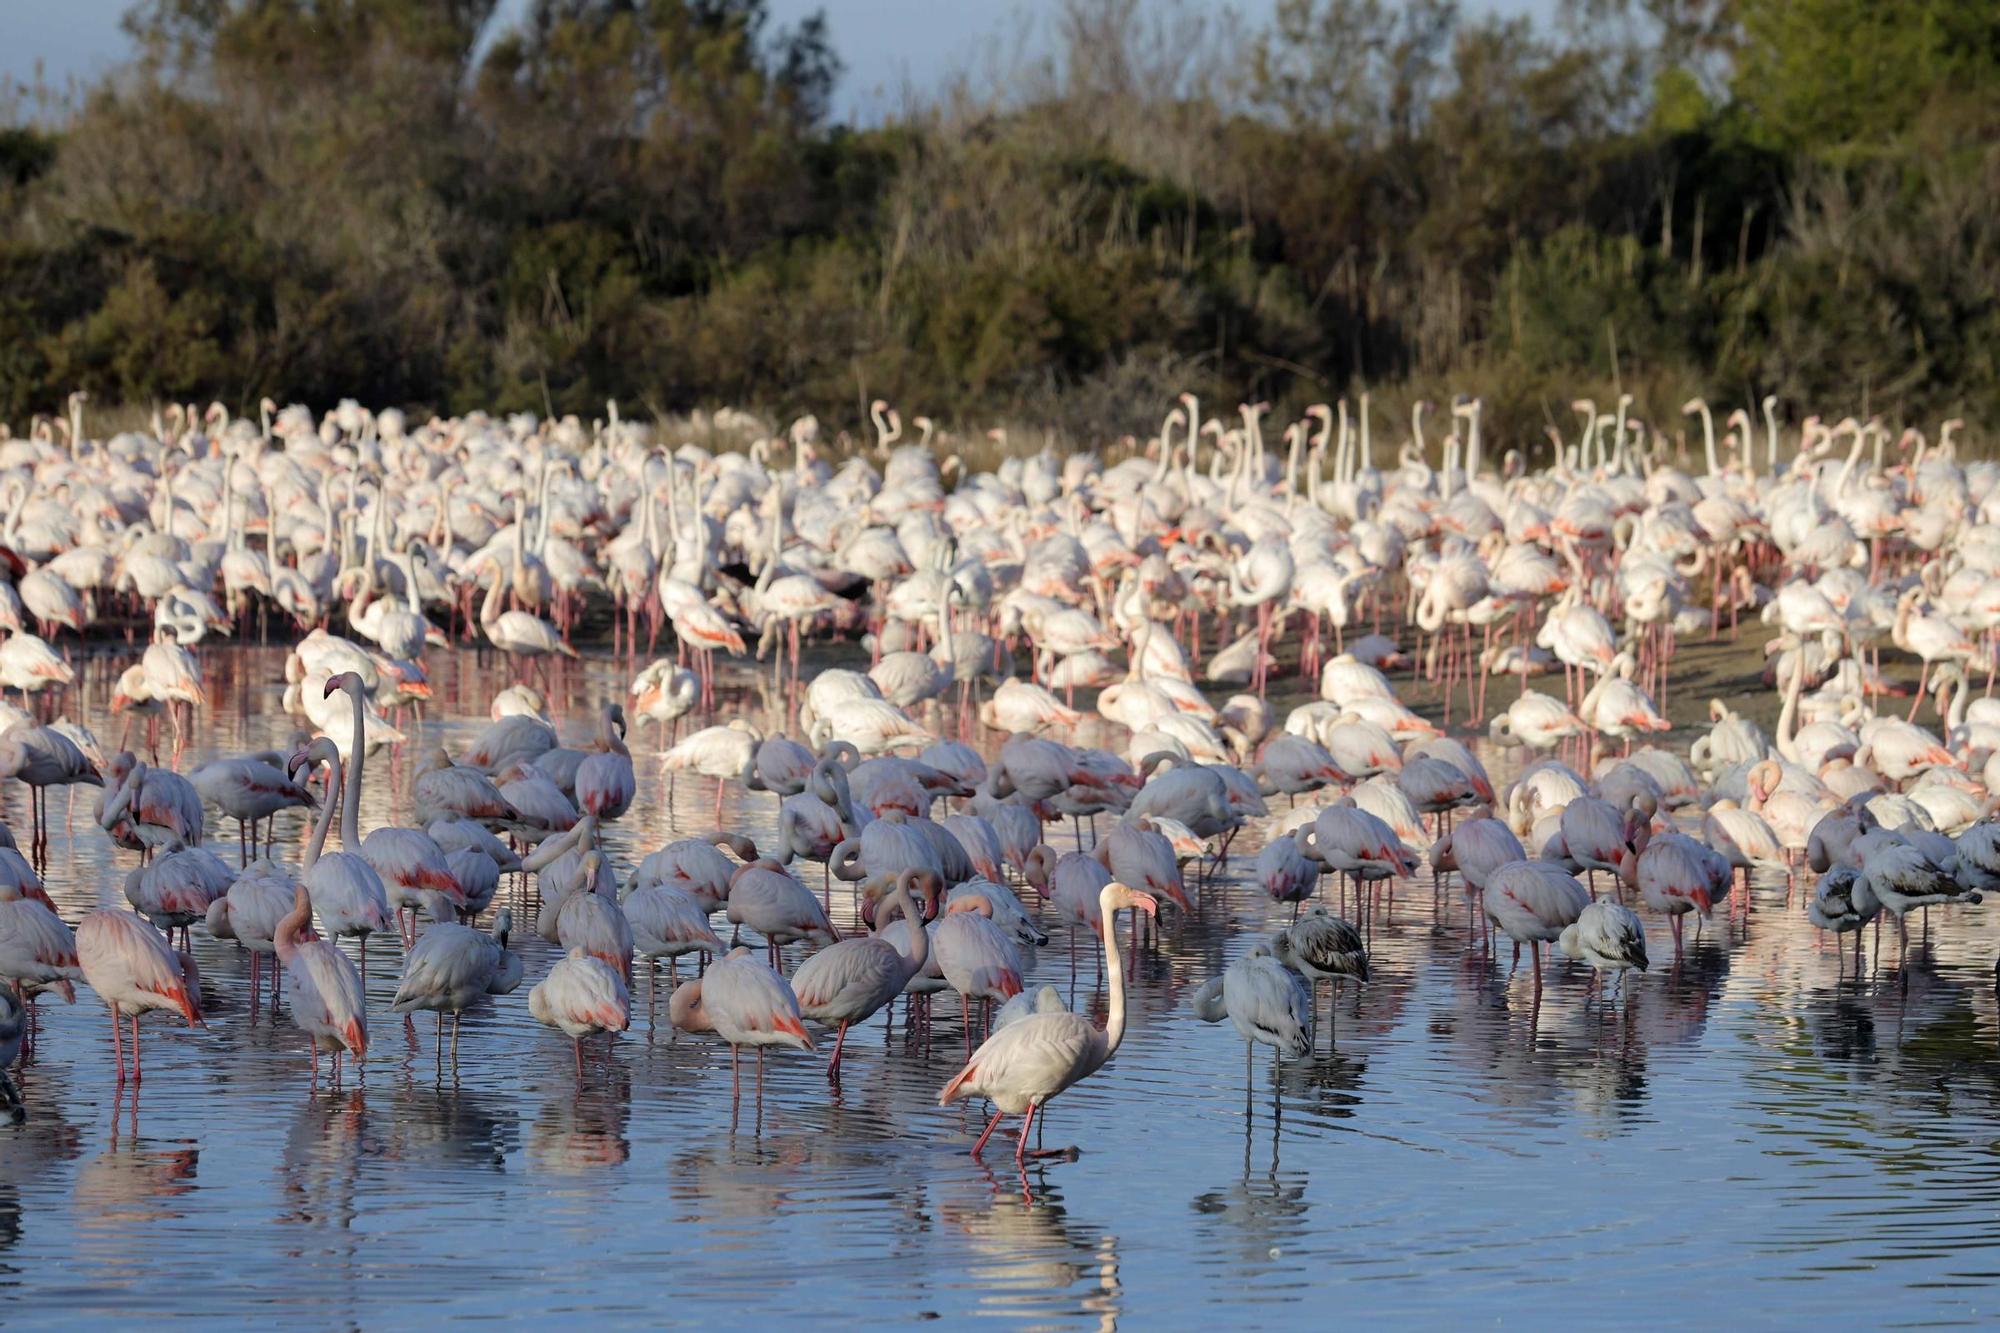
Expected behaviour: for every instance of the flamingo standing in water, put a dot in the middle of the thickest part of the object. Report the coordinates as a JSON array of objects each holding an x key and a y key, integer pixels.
[
  {"x": 1262, "y": 578},
  {"x": 849, "y": 982},
  {"x": 37, "y": 950},
  {"x": 581, "y": 996},
  {"x": 744, "y": 1002},
  {"x": 519, "y": 634},
  {"x": 665, "y": 693},
  {"x": 1608, "y": 936},
  {"x": 1534, "y": 902},
  {"x": 721, "y": 753},
  {"x": 323, "y": 992},
  {"x": 346, "y": 891},
  {"x": 605, "y": 783},
  {"x": 452, "y": 967},
  {"x": 134, "y": 971},
  {"x": 1264, "y": 1001},
  {"x": 1021, "y": 1066},
  {"x": 1323, "y": 947},
  {"x": 977, "y": 958}
]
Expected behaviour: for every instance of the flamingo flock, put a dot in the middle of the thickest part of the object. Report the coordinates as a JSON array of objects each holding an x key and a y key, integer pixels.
[{"x": 1042, "y": 696}]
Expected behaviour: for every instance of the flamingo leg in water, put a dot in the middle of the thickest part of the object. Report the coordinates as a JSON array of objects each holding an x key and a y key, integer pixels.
[
  {"x": 991, "y": 1125},
  {"x": 833, "y": 1068}
]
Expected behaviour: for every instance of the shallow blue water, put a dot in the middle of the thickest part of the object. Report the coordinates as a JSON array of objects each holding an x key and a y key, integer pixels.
[{"x": 1751, "y": 1137}]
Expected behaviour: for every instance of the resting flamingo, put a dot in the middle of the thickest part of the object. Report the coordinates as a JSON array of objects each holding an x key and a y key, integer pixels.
[
  {"x": 452, "y": 967},
  {"x": 581, "y": 996},
  {"x": 1265, "y": 1002},
  {"x": 1320, "y": 946},
  {"x": 744, "y": 1002},
  {"x": 134, "y": 971}
]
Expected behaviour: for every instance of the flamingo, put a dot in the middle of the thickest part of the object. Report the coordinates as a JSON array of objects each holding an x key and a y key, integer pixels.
[
  {"x": 744, "y": 1002},
  {"x": 605, "y": 784},
  {"x": 173, "y": 676},
  {"x": 37, "y": 950},
  {"x": 1264, "y": 1001},
  {"x": 581, "y": 996},
  {"x": 850, "y": 981},
  {"x": 43, "y": 757},
  {"x": 666, "y": 922},
  {"x": 249, "y": 913},
  {"x": 1678, "y": 875},
  {"x": 1320, "y": 946},
  {"x": 764, "y": 897},
  {"x": 1537, "y": 721},
  {"x": 346, "y": 891},
  {"x": 721, "y": 752},
  {"x": 1533, "y": 902},
  {"x": 451, "y": 967},
  {"x": 1843, "y": 901},
  {"x": 135, "y": 971},
  {"x": 149, "y": 808},
  {"x": 408, "y": 862},
  {"x": 248, "y": 790},
  {"x": 665, "y": 693},
  {"x": 323, "y": 992},
  {"x": 1608, "y": 936},
  {"x": 519, "y": 634},
  {"x": 1285, "y": 873},
  {"x": 977, "y": 958},
  {"x": 1025, "y": 1064}
]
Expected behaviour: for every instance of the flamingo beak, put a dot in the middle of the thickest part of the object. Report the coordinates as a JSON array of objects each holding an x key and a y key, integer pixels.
[
  {"x": 1143, "y": 902},
  {"x": 333, "y": 683}
]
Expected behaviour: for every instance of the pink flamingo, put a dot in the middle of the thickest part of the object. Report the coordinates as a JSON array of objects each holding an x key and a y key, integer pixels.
[
  {"x": 848, "y": 982},
  {"x": 322, "y": 990},
  {"x": 744, "y": 1002},
  {"x": 346, "y": 891},
  {"x": 133, "y": 969},
  {"x": 581, "y": 996},
  {"x": 1026, "y": 1063}
]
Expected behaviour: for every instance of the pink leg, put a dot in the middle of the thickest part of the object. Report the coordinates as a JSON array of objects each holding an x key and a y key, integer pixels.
[
  {"x": 1021, "y": 1148},
  {"x": 991, "y": 1125},
  {"x": 833, "y": 1069}
]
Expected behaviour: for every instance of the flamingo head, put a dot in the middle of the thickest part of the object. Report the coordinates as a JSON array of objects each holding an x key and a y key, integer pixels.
[
  {"x": 684, "y": 1008},
  {"x": 1038, "y": 867},
  {"x": 1117, "y": 895},
  {"x": 346, "y": 680}
]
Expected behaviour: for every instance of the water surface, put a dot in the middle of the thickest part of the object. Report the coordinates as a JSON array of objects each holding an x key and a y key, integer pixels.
[{"x": 1752, "y": 1136}]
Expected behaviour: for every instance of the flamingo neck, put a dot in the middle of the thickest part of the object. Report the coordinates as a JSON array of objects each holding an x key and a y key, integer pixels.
[
  {"x": 1114, "y": 972},
  {"x": 1788, "y": 716},
  {"x": 489, "y": 610},
  {"x": 333, "y": 790},
  {"x": 920, "y": 939},
  {"x": 350, "y": 814}
]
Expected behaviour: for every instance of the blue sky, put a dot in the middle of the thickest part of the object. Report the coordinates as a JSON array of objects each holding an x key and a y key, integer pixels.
[{"x": 887, "y": 44}]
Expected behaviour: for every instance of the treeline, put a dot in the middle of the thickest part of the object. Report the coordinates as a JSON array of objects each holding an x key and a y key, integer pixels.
[{"x": 650, "y": 200}]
